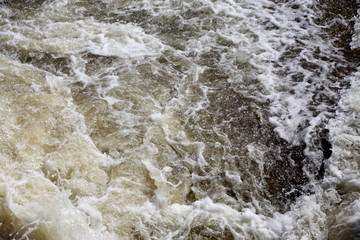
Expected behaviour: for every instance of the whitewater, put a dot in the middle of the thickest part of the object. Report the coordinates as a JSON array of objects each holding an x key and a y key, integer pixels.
[{"x": 169, "y": 119}]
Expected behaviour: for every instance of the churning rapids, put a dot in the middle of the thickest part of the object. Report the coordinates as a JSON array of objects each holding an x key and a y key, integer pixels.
[{"x": 179, "y": 119}]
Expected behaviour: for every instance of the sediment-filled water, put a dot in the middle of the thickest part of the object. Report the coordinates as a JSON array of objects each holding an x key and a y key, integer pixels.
[{"x": 227, "y": 119}]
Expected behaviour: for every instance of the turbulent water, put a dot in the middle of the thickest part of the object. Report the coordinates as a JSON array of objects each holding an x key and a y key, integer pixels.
[{"x": 192, "y": 119}]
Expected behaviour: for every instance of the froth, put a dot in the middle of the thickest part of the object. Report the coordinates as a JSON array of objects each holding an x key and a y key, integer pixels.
[
  {"x": 124, "y": 41},
  {"x": 42, "y": 168},
  {"x": 150, "y": 120}
]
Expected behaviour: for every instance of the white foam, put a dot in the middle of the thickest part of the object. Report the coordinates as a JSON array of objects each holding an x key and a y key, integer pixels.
[
  {"x": 121, "y": 164},
  {"x": 355, "y": 44},
  {"x": 124, "y": 41}
]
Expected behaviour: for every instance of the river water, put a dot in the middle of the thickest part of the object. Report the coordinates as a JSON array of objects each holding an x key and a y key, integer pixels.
[{"x": 169, "y": 119}]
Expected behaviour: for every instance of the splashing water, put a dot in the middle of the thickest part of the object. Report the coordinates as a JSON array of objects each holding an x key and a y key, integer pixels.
[{"x": 179, "y": 119}]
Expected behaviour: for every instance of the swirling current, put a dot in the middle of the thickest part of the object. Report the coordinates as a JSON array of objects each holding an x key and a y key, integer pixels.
[{"x": 179, "y": 119}]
